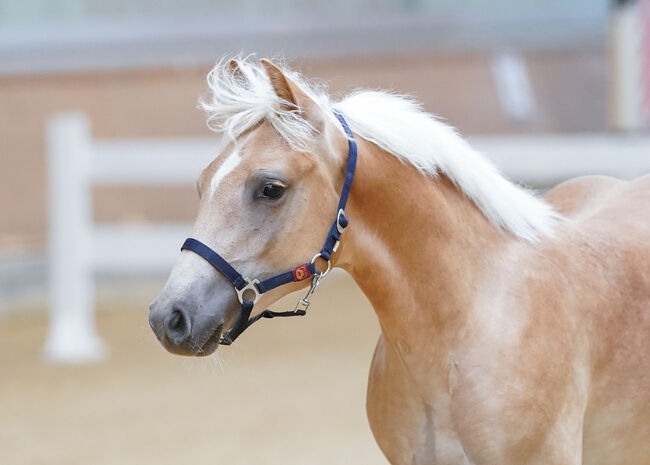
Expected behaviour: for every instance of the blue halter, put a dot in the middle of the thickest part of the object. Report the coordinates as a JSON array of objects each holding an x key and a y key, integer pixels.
[{"x": 249, "y": 291}]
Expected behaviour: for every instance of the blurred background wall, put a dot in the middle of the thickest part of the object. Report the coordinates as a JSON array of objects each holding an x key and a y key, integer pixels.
[{"x": 137, "y": 68}]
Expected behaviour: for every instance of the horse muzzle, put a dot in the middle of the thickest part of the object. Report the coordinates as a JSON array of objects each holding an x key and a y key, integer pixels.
[{"x": 186, "y": 329}]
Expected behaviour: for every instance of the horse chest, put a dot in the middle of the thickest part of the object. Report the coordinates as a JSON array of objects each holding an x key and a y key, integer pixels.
[
  {"x": 409, "y": 428},
  {"x": 452, "y": 413}
]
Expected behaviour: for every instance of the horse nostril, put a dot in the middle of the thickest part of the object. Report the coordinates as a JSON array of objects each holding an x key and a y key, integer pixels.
[{"x": 177, "y": 326}]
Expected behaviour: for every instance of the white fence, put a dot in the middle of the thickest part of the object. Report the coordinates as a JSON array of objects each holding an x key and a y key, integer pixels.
[
  {"x": 79, "y": 248},
  {"x": 547, "y": 159},
  {"x": 629, "y": 70}
]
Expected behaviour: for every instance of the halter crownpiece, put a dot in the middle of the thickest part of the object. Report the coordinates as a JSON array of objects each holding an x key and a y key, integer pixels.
[{"x": 250, "y": 290}]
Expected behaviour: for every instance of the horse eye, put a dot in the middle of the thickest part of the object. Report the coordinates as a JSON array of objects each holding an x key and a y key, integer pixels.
[{"x": 273, "y": 191}]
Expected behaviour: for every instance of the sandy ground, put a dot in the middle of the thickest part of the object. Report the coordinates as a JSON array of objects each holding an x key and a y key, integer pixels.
[{"x": 288, "y": 392}]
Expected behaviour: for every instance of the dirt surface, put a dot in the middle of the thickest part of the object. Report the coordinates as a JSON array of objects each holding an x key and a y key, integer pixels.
[{"x": 288, "y": 392}]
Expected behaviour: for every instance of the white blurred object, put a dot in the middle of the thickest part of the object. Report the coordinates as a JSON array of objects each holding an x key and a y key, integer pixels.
[
  {"x": 629, "y": 55},
  {"x": 78, "y": 248},
  {"x": 72, "y": 337},
  {"x": 513, "y": 86},
  {"x": 546, "y": 159}
]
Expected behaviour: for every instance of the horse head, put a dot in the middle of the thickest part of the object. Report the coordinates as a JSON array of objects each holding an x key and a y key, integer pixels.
[{"x": 266, "y": 201}]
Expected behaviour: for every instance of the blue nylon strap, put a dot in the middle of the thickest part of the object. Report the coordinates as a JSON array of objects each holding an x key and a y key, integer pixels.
[
  {"x": 280, "y": 279},
  {"x": 240, "y": 325},
  {"x": 233, "y": 275},
  {"x": 352, "y": 162},
  {"x": 341, "y": 221},
  {"x": 334, "y": 235},
  {"x": 216, "y": 260}
]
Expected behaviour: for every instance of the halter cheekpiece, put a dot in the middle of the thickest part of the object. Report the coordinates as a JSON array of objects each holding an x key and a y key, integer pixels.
[{"x": 249, "y": 290}]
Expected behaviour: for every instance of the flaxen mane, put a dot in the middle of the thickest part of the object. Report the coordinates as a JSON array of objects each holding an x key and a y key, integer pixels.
[{"x": 396, "y": 123}]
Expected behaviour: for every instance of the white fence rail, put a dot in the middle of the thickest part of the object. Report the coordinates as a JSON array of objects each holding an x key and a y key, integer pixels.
[
  {"x": 78, "y": 248},
  {"x": 546, "y": 159}
]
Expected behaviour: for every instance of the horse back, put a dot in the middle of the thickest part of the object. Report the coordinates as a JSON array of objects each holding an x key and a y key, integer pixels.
[
  {"x": 580, "y": 197},
  {"x": 605, "y": 233}
]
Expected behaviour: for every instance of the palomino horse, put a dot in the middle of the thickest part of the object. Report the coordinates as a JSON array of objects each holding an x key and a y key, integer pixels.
[{"x": 515, "y": 329}]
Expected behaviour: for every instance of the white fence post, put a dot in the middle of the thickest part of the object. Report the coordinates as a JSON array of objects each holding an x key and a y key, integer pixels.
[
  {"x": 626, "y": 67},
  {"x": 72, "y": 336},
  {"x": 513, "y": 86}
]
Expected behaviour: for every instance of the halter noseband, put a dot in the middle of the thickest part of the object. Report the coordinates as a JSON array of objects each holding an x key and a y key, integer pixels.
[{"x": 244, "y": 287}]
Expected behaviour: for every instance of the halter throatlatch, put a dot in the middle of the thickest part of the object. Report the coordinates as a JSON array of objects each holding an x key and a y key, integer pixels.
[{"x": 249, "y": 290}]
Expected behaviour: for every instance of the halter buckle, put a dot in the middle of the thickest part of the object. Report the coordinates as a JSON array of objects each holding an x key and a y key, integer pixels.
[
  {"x": 339, "y": 226},
  {"x": 303, "y": 304},
  {"x": 251, "y": 285}
]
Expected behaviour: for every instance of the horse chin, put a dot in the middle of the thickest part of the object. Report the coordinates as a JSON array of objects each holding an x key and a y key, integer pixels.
[{"x": 212, "y": 344}]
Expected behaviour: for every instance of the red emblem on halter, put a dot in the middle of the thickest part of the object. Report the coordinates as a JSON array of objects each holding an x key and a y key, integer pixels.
[{"x": 300, "y": 273}]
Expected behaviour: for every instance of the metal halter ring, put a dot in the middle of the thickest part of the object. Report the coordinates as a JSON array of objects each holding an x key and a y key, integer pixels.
[
  {"x": 322, "y": 274},
  {"x": 251, "y": 285}
]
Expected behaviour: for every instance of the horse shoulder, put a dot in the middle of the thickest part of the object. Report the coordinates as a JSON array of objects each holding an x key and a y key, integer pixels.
[{"x": 516, "y": 397}]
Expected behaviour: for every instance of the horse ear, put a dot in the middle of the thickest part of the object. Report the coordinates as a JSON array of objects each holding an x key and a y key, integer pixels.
[
  {"x": 279, "y": 81},
  {"x": 288, "y": 90},
  {"x": 235, "y": 69}
]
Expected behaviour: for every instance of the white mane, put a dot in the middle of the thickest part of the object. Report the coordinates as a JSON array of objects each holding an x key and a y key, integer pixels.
[
  {"x": 240, "y": 100},
  {"x": 396, "y": 124}
]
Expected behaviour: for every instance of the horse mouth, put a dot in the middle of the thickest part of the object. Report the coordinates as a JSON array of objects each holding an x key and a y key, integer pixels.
[{"x": 212, "y": 343}]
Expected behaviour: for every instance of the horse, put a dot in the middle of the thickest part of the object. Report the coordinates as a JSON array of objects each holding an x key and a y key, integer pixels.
[{"x": 514, "y": 327}]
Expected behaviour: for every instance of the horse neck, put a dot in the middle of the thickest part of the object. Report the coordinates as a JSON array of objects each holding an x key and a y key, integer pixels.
[{"x": 416, "y": 246}]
